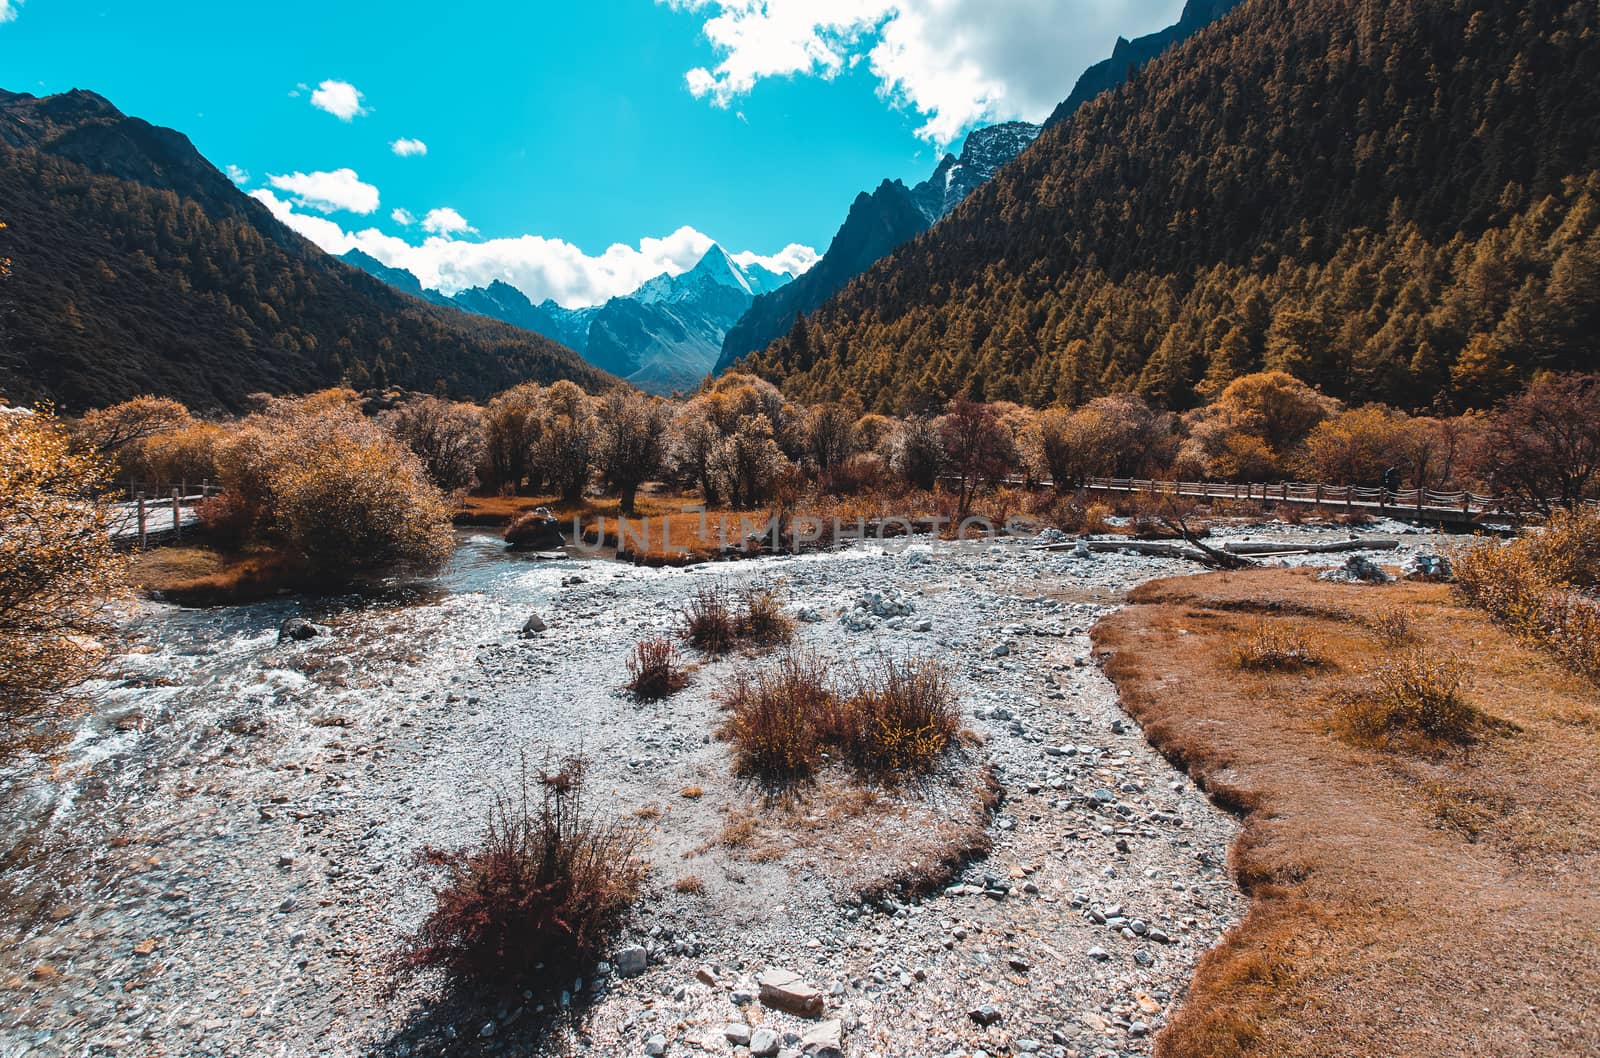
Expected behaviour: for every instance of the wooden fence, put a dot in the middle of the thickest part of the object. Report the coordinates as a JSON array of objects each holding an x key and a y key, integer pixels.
[{"x": 1425, "y": 504}]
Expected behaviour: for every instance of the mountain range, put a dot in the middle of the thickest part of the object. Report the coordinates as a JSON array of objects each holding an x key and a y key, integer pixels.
[
  {"x": 664, "y": 337},
  {"x": 1394, "y": 201},
  {"x": 138, "y": 267},
  {"x": 894, "y": 214}
]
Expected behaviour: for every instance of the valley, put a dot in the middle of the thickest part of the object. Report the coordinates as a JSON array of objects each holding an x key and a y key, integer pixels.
[{"x": 888, "y": 529}]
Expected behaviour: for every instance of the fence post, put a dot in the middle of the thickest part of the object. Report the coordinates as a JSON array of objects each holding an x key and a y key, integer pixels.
[{"x": 140, "y": 498}]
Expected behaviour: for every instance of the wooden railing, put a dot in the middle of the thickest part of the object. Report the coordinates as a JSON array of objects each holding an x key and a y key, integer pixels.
[{"x": 1430, "y": 503}]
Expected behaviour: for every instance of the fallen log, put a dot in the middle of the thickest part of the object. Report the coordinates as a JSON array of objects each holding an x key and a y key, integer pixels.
[
  {"x": 1154, "y": 548},
  {"x": 1273, "y": 547}
]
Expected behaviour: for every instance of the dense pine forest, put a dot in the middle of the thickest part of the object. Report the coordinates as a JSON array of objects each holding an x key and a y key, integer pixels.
[
  {"x": 151, "y": 273},
  {"x": 1394, "y": 201}
]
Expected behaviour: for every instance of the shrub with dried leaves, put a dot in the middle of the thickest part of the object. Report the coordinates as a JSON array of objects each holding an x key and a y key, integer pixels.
[
  {"x": 654, "y": 670},
  {"x": 539, "y": 898}
]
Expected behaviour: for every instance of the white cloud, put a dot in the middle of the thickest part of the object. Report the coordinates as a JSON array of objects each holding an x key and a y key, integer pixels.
[
  {"x": 405, "y": 148},
  {"x": 326, "y": 192},
  {"x": 541, "y": 268},
  {"x": 9, "y": 10},
  {"x": 778, "y": 38},
  {"x": 339, "y": 98},
  {"x": 445, "y": 221},
  {"x": 956, "y": 63},
  {"x": 235, "y": 173},
  {"x": 793, "y": 259},
  {"x": 403, "y": 216}
]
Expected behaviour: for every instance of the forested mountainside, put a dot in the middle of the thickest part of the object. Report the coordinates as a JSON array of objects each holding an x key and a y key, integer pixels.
[
  {"x": 894, "y": 214},
  {"x": 1393, "y": 199},
  {"x": 137, "y": 267}
]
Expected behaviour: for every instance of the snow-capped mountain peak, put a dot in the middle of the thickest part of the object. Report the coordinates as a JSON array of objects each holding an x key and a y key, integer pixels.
[{"x": 714, "y": 267}]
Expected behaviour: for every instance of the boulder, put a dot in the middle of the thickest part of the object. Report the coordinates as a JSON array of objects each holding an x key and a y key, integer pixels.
[
  {"x": 783, "y": 990},
  {"x": 297, "y": 629},
  {"x": 537, "y": 530},
  {"x": 532, "y": 626}
]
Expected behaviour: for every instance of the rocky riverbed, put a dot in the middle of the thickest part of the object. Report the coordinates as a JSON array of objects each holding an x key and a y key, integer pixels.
[{"x": 223, "y": 862}]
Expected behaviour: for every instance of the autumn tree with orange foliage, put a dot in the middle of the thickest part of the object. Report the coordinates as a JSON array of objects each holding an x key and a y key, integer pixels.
[
  {"x": 334, "y": 489},
  {"x": 58, "y": 575},
  {"x": 1255, "y": 429},
  {"x": 109, "y": 430}
]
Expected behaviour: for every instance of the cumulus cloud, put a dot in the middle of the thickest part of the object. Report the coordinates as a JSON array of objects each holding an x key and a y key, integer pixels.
[
  {"x": 955, "y": 63},
  {"x": 445, "y": 221},
  {"x": 403, "y": 216},
  {"x": 339, "y": 98},
  {"x": 794, "y": 259},
  {"x": 778, "y": 38},
  {"x": 326, "y": 192},
  {"x": 539, "y": 267},
  {"x": 9, "y": 10},
  {"x": 235, "y": 173},
  {"x": 406, "y": 148}
]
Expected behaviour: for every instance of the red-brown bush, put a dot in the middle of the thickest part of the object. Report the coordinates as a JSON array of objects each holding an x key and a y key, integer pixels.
[
  {"x": 537, "y": 901},
  {"x": 654, "y": 670},
  {"x": 708, "y": 620}
]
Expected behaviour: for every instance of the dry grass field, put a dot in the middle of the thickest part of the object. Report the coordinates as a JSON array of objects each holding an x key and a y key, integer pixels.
[{"x": 1411, "y": 893}]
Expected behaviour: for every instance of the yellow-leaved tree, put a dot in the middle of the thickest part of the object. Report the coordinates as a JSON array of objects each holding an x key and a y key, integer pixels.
[
  {"x": 334, "y": 489},
  {"x": 58, "y": 575}
]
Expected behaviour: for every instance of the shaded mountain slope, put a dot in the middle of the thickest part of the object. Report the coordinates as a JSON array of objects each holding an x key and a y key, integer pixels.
[{"x": 138, "y": 267}]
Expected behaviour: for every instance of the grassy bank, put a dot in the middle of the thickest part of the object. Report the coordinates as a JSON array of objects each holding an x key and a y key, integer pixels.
[
  {"x": 1407, "y": 896},
  {"x": 205, "y": 576}
]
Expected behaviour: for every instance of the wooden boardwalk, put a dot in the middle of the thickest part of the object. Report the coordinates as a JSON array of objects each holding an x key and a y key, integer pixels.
[
  {"x": 144, "y": 522},
  {"x": 1449, "y": 508}
]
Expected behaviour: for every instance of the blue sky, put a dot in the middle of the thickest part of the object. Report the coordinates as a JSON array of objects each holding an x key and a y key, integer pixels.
[{"x": 571, "y": 148}]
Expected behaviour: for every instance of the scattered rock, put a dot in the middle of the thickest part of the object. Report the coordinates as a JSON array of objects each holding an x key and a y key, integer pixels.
[
  {"x": 655, "y": 1046},
  {"x": 763, "y": 1043},
  {"x": 985, "y": 1015},
  {"x": 783, "y": 990},
  {"x": 825, "y": 1039},
  {"x": 1357, "y": 569},
  {"x": 631, "y": 961},
  {"x": 533, "y": 626},
  {"x": 1426, "y": 566}
]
